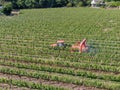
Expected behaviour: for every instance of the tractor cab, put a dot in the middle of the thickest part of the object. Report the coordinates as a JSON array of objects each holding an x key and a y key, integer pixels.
[
  {"x": 77, "y": 47},
  {"x": 60, "y": 43}
]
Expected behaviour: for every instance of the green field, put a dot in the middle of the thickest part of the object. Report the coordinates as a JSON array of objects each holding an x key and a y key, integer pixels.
[{"x": 26, "y": 59}]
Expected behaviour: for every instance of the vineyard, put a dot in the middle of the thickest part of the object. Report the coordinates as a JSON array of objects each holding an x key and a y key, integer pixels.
[{"x": 28, "y": 62}]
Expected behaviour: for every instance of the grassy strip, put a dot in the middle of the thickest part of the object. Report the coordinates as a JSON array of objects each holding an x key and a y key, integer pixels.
[
  {"x": 88, "y": 66},
  {"x": 70, "y": 71},
  {"x": 64, "y": 78},
  {"x": 66, "y": 63},
  {"x": 31, "y": 85}
]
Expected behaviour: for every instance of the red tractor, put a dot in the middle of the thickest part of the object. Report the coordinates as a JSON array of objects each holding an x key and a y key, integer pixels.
[
  {"x": 60, "y": 43},
  {"x": 78, "y": 46}
]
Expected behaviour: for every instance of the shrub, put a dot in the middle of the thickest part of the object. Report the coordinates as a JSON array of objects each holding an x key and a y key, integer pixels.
[
  {"x": 80, "y": 4},
  {"x": 20, "y": 4},
  {"x": 113, "y": 4},
  {"x": 88, "y": 3},
  {"x": 7, "y": 9},
  {"x": 69, "y": 5}
]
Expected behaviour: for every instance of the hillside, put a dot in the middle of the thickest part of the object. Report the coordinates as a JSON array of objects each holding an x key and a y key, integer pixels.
[{"x": 26, "y": 58}]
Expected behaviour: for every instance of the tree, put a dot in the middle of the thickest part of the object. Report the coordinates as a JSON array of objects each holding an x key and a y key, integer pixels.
[
  {"x": 61, "y": 3},
  {"x": 14, "y": 4},
  {"x": 21, "y": 4},
  {"x": 2, "y": 2},
  {"x": 7, "y": 9}
]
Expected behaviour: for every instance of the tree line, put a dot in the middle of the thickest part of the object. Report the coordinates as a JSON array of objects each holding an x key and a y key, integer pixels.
[
  {"x": 20, "y": 4},
  {"x": 23, "y": 4}
]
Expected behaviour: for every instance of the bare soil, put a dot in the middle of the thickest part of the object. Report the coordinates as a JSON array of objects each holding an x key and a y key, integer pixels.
[{"x": 4, "y": 86}]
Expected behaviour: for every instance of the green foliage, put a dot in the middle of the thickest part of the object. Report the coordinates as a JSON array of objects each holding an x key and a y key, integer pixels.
[
  {"x": 38, "y": 3},
  {"x": 88, "y": 2},
  {"x": 80, "y": 4},
  {"x": 113, "y": 4},
  {"x": 69, "y": 5},
  {"x": 27, "y": 84},
  {"x": 7, "y": 9},
  {"x": 61, "y": 3},
  {"x": 111, "y": 0},
  {"x": 20, "y": 4},
  {"x": 26, "y": 39},
  {"x": 29, "y": 3},
  {"x": 91, "y": 80},
  {"x": 2, "y": 2}
]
